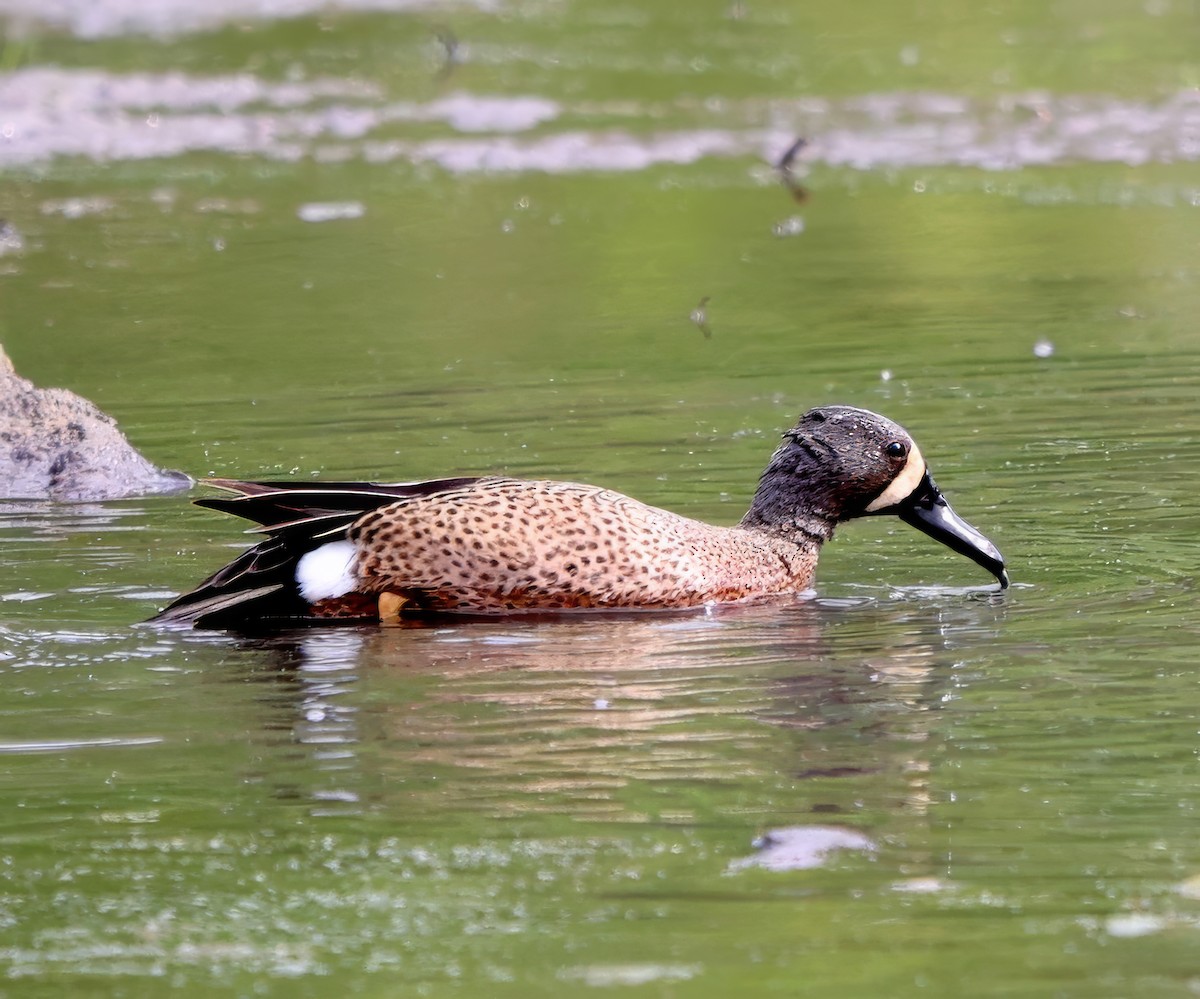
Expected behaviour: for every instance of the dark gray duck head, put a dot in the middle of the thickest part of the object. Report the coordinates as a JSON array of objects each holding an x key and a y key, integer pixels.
[{"x": 838, "y": 463}]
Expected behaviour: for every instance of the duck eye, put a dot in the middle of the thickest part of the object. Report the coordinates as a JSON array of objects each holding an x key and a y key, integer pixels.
[{"x": 896, "y": 449}]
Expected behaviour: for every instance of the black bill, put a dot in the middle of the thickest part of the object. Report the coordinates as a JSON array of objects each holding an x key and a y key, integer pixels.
[{"x": 926, "y": 509}]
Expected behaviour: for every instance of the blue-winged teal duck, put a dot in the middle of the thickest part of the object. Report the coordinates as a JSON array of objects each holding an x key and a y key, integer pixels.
[{"x": 363, "y": 551}]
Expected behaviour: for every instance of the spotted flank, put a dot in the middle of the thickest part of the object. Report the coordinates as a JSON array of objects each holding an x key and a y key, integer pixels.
[{"x": 355, "y": 551}]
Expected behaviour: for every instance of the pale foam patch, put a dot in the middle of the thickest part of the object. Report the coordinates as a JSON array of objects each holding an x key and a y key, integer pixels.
[
  {"x": 902, "y": 485},
  {"x": 327, "y": 571}
]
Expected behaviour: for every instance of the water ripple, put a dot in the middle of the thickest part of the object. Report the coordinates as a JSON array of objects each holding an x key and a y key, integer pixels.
[
  {"x": 62, "y": 745},
  {"x": 109, "y": 117}
]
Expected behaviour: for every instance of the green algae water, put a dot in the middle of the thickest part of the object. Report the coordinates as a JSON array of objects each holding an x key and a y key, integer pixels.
[{"x": 550, "y": 240}]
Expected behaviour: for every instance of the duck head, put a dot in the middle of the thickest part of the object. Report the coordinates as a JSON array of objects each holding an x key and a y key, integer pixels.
[{"x": 838, "y": 463}]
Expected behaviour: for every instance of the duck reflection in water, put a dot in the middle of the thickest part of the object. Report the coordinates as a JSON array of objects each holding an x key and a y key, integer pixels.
[{"x": 614, "y": 720}]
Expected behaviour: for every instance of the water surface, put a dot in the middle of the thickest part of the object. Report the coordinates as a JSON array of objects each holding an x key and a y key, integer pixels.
[{"x": 369, "y": 241}]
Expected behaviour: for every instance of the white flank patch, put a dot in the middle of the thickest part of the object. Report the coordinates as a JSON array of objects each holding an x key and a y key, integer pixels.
[
  {"x": 903, "y": 484},
  {"x": 327, "y": 571}
]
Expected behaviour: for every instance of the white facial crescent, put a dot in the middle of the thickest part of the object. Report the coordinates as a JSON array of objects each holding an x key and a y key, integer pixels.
[{"x": 903, "y": 484}]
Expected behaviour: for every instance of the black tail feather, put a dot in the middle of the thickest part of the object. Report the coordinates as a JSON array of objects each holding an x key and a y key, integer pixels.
[
  {"x": 272, "y": 503},
  {"x": 260, "y": 584}
]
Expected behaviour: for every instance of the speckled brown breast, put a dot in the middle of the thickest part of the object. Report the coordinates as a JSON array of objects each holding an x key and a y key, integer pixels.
[{"x": 503, "y": 545}]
